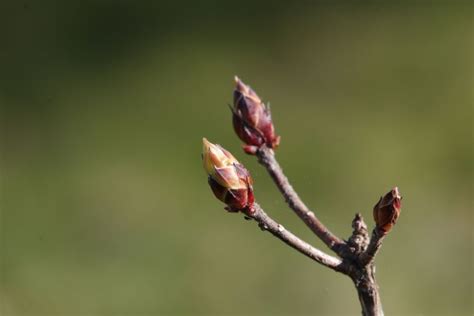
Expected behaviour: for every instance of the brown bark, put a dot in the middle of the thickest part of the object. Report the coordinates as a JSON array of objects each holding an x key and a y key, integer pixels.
[
  {"x": 266, "y": 223},
  {"x": 266, "y": 157}
]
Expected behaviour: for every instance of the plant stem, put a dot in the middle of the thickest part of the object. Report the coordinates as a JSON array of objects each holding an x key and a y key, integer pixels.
[
  {"x": 266, "y": 157},
  {"x": 267, "y": 223},
  {"x": 367, "y": 289}
]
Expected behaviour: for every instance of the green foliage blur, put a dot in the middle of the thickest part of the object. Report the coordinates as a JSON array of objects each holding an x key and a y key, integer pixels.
[{"x": 105, "y": 208}]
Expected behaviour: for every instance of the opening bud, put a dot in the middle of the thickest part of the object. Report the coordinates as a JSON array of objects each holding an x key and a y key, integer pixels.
[
  {"x": 229, "y": 180},
  {"x": 387, "y": 210},
  {"x": 252, "y": 119}
]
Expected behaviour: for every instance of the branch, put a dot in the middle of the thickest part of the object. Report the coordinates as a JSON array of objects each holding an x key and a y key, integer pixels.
[
  {"x": 231, "y": 183},
  {"x": 374, "y": 246},
  {"x": 267, "y": 223},
  {"x": 266, "y": 157}
]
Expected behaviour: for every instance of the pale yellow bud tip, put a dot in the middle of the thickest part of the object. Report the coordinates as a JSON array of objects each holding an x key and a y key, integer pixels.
[
  {"x": 214, "y": 156},
  {"x": 205, "y": 145},
  {"x": 219, "y": 165},
  {"x": 206, "y": 159}
]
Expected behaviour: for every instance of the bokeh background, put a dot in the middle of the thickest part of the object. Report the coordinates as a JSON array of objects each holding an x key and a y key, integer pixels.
[{"x": 105, "y": 209}]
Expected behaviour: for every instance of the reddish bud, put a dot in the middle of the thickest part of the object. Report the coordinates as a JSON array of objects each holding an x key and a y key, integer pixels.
[
  {"x": 387, "y": 210},
  {"x": 252, "y": 119},
  {"x": 229, "y": 180}
]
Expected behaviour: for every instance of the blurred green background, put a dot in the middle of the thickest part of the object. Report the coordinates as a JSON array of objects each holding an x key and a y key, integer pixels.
[{"x": 105, "y": 206}]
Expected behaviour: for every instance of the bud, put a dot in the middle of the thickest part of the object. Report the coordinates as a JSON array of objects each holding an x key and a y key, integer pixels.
[
  {"x": 252, "y": 119},
  {"x": 229, "y": 180},
  {"x": 387, "y": 210}
]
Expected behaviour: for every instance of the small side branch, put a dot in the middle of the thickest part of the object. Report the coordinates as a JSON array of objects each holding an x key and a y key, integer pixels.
[
  {"x": 267, "y": 223},
  {"x": 266, "y": 157},
  {"x": 374, "y": 246}
]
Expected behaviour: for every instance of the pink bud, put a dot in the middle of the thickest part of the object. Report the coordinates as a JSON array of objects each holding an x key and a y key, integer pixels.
[
  {"x": 387, "y": 210},
  {"x": 229, "y": 180},
  {"x": 252, "y": 119}
]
